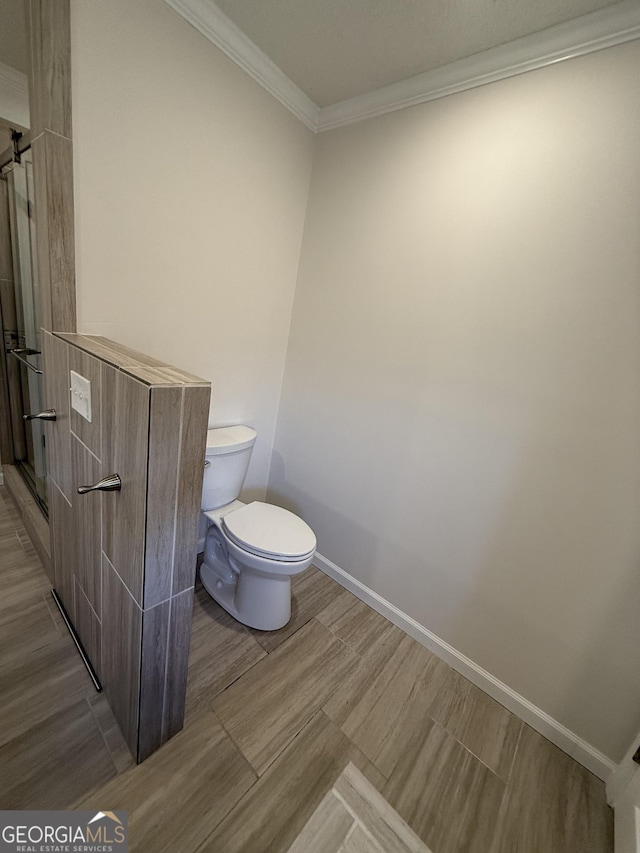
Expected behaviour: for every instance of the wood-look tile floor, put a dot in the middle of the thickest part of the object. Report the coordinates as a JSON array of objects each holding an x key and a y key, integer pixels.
[{"x": 273, "y": 719}]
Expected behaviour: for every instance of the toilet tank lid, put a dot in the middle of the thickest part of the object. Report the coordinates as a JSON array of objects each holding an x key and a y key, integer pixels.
[{"x": 229, "y": 439}]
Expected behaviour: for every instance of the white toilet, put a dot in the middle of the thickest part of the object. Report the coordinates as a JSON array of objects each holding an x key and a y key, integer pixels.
[{"x": 251, "y": 551}]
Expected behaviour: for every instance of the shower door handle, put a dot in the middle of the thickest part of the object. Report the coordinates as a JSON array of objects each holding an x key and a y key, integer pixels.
[
  {"x": 112, "y": 483},
  {"x": 47, "y": 415}
]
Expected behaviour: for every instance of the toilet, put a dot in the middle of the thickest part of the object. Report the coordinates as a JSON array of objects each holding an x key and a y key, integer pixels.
[{"x": 251, "y": 551}]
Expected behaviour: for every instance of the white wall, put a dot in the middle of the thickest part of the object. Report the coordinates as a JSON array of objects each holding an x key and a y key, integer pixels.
[
  {"x": 191, "y": 185},
  {"x": 460, "y": 419},
  {"x": 14, "y": 98}
]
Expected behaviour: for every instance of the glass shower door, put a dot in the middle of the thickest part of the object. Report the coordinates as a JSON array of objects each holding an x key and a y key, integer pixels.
[{"x": 22, "y": 334}]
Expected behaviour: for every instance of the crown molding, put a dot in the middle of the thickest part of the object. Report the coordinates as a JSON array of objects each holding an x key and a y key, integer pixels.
[
  {"x": 607, "y": 27},
  {"x": 14, "y": 96},
  {"x": 604, "y": 28},
  {"x": 208, "y": 19}
]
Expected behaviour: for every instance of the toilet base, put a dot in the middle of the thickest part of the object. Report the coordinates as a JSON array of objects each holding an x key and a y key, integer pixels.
[{"x": 257, "y": 600}]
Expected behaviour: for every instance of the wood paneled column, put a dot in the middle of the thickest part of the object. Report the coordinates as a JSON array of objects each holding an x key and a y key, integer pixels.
[
  {"x": 52, "y": 150},
  {"x": 125, "y": 561}
]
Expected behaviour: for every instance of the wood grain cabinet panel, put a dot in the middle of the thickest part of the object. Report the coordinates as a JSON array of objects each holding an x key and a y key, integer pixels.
[
  {"x": 63, "y": 547},
  {"x": 175, "y": 689},
  {"x": 121, "y": 653},
  {"x": 89, "y": 628},
  {"x": 164, "y": 457},
  {"x": 125, "y": 443},
  {"x": 86, "y": 514},
  {"x": 195, "y": 414},
  {"x": 125, "y": 560},
  {"x": 155, "y": 639}
]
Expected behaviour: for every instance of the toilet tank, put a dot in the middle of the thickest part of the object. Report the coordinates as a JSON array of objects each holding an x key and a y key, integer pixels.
[{"x": 228, "y": 453}]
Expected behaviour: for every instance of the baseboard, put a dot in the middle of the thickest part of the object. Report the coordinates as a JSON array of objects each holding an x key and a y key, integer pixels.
[{"x": 566, "y": 740}]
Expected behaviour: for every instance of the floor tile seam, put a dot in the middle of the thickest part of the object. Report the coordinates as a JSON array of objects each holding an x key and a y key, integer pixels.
[
  {"x": 47, "y": 597},
  {"x": 342, "y": 642},
  {"x": 331, "y": 627},
  {"x": 360, "y": 822},
  {"x": 265, "y": 656},
  {"x": 17, "y": 535},
  {"x": 331, "y": 693},
  {"x": 23, "y": 536},
  {"x": 291, "y": 742},
  {"x": 515, "y": 751},
  {"x": 370, "y": 652},
  {"x": 357, "y": 818},
  {"x": 201, "y": 691},
  {"x": 378, "y": 700},
  {"x": 27, "y": 598},
  {"x": 352, "y": 829},
  {"x": 383, "y": 773},
  {"x": 11, "y": 541},
  {"x": 92, "y": 701},
  {"x": 205, "y": 846},
  {"x": 236, "y": 746},
  {"x": 106, "y": 745},
  {"x": 337, "y": 621},
  {"x": 284, "y": 640},
  {"x": 10, "y": 527},
  {"x": 410, "y": 697},
  {"x": 365, "y": 660},
  {"x": 398, "y": 717},
  {"x": 500, "y": 823},
  {"x": 274, "y": 758},
  {"x": 348, "y": 649},
  {"x": 470, "y": 751},
  {"x": 456, "y": 841}
]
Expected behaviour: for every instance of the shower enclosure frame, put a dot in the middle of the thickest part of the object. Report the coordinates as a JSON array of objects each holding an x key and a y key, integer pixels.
[{"x": 23, "y": 444}]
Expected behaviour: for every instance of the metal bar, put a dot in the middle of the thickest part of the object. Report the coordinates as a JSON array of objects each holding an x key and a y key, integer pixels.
[
  {"x": 8, "y": 155},
  {"x": 76, "y": 640},
  {"x": 21, "y": 358}
]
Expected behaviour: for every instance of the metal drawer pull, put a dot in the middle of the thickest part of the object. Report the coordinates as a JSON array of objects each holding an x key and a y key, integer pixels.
[
  {"x": 112, "y": 483},
  {"x": 47, "y": 415}
]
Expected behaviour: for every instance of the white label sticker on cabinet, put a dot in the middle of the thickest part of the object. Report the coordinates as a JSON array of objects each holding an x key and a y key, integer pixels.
[{"x": 81, "y": 395}]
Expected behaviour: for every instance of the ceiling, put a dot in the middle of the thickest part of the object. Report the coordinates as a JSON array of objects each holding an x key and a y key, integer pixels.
[
  {"x": 332, "y": 62},
  {"x": 339, "y": 49}
]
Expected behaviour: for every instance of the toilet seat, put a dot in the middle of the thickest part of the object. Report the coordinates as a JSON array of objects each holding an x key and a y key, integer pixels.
[{"x": 270, "y": 532}]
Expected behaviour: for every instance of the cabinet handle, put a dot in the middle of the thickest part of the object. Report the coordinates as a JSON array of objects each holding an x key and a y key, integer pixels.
[
  {"x": 112, "y": 483},
  {"x": 47, "y": 415}
]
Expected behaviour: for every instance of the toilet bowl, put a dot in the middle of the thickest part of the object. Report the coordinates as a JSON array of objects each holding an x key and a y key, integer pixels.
[{"x": 251, "y": 551}]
